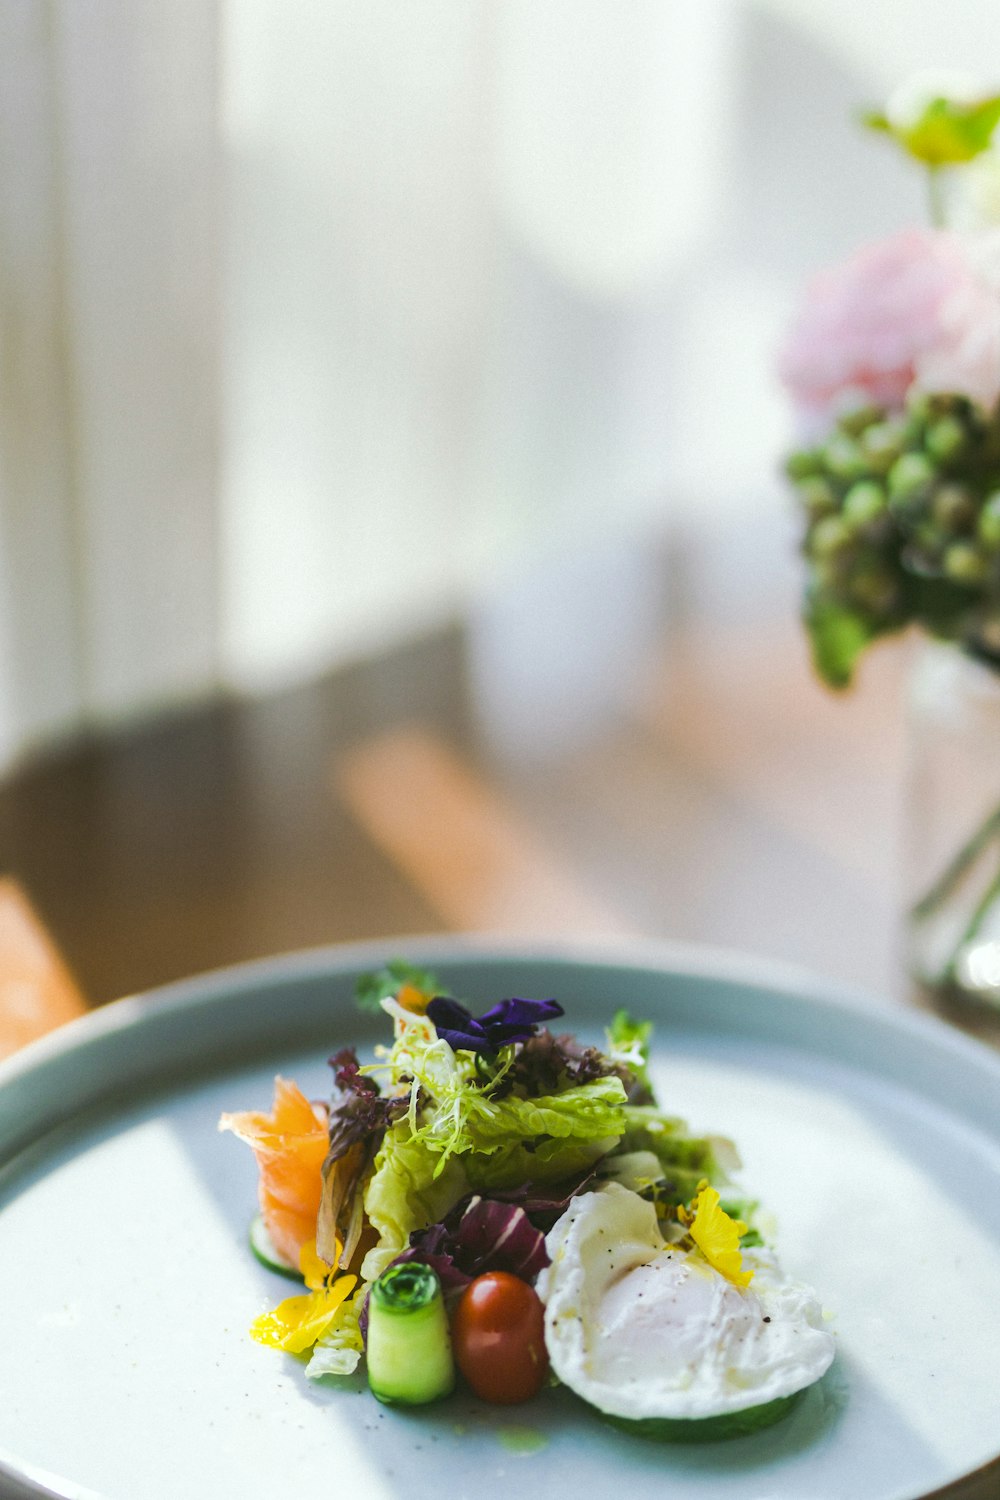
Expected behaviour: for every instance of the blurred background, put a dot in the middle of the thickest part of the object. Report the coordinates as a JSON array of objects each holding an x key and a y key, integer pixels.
[{"x": 391, "y": 529}]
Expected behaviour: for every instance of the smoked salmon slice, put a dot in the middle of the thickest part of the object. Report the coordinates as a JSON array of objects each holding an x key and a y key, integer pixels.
[{"x": 290, "y": 1145}]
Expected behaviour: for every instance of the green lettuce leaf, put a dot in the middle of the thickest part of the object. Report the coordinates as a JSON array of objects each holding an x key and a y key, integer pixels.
[
  {"x": 684, "y": 1159},
  {"x": 540, "y": 1163},
  {"x": 628, "y": 1042},
  {"x": 411, "y": 1186},
  {"x": 587, "y": 1112}
]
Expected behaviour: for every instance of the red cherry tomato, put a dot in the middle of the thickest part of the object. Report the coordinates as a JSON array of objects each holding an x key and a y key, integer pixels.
[{"x": 498, "y": 1338}]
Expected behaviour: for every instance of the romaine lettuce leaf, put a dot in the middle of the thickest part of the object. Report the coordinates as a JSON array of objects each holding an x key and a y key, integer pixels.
[
  {"x": 411, "y": 1186},
  {"x": 591, "y": 1111},
  {"x": 541, "y": 1162}
]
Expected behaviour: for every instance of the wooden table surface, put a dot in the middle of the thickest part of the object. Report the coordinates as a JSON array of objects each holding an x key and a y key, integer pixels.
[{"x": 735, "y": 803}]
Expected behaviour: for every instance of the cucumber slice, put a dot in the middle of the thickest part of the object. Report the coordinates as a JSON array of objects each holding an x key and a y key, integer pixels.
[
  {"x": 707, "y": 1429},
  {"x": 409, "y": 1347},
  {"x": 263, "y": 1248}
]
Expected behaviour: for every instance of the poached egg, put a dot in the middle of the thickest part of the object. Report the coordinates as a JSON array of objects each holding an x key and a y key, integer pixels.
[{"x": 645, "y": 1329}]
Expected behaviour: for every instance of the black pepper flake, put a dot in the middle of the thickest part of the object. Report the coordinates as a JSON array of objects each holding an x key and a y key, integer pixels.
[{"x": 767, "y": 1320}]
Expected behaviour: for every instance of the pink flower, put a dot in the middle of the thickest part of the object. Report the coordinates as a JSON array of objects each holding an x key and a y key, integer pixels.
[
  {"x": 921, "y": 308},
  {"x": 966, "y": 358}
]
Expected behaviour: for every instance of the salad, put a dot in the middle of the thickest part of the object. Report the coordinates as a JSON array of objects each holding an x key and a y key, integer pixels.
[{"x": 487, "y": 1193}]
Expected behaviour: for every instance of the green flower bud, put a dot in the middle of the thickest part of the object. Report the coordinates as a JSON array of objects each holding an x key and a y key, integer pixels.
[
  {"x": 803, "y": 463},
  {"x": 881, "y": 445},
  {"x": 919, "y": 405},
  {"x": 930, "y": 536},
  {"x": 854, "y": 420},
  {"x": 865, "y": 504},
  {"x": 844, "y": 459},
  {"x": 931, "y": 405},
  {"x": 989, "y": 522},
  {"x": 963, "y": 563},
  {"x": 953, "y": 508},
  {"x": 910, "y": 474},
  {"x": 945, "y": 439},
  {"x": 874, "y": 589},
  {"x": 829, "y": 576},
  {"x": 817, "y": 495},
  {"x": 829, "y": 537}
]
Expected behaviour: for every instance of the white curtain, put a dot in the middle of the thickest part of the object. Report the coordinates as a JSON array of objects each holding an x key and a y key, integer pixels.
[
  {"x": 109, "y": 391},
  {"x": 321, "y": 318}
]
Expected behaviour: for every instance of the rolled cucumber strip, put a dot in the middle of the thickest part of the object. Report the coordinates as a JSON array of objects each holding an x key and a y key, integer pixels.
[{"x": 409, "y": 1346}]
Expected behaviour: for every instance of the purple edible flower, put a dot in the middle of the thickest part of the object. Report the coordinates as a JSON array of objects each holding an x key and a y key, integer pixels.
[
  {"x": 510, "y": 1021},
  {"x": 456, "y": 1026}
]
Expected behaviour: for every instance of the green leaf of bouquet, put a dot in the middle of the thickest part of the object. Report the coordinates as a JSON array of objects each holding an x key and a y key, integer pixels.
[
  {"x": 946, "y": 134},
  {"x": 838, "y": 636}
]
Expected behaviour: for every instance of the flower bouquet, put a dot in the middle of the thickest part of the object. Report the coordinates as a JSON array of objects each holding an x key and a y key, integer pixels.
[{"x": 892, "y": 363}]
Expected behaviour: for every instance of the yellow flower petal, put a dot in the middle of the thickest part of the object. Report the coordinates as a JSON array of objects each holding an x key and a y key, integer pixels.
[
  {"x": 718, "y": 1237},
  {"x": 315, "y": 1271},
  {"x": 295, "y": 1324}
]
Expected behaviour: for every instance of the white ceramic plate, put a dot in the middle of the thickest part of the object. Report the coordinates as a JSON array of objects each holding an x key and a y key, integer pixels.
[{"x": 127, "y": 1287}]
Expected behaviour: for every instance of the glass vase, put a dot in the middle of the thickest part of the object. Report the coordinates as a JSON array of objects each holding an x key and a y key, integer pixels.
[{"x": 953, "y": 858}]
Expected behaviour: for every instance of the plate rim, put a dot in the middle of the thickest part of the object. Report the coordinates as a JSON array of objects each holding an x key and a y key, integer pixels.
[
  {"x": 703, "y": 961},
  {"x": 201, "y": 991}
]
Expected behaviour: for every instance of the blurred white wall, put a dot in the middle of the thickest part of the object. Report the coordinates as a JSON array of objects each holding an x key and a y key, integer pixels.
[{"x": 320, "y": 319}]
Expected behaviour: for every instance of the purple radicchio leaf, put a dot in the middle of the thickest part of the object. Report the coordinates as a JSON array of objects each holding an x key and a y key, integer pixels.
[
  {"x": 544, "y": 1203},
  {"x": 480, "y": 1234},
  {"x": 494, "y": 1236},
  {"x": 422, "y": 1248},
  {"x": 359, "y": 1116},
  {"x": 513, "y": 1020}
]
